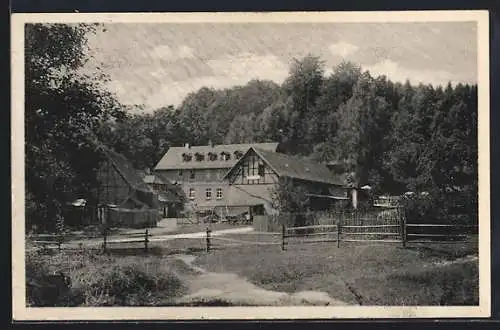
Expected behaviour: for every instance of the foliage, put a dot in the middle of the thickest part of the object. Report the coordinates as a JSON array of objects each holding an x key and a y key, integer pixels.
[
  {"x": 64, "y": 105},
  {"x": 395, "y": 137},
  {"x": 435, "y": 207},
  {"x": 291, "y": 200},
  {"x": 100, "y": 280}
]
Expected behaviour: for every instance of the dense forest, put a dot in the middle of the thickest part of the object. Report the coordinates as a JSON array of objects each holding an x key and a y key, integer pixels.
[{"x": 394, "y": 136}]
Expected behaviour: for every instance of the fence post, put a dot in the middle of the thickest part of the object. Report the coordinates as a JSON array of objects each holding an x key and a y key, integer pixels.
[
  {"x": 146, "y": 240},
  {"x": 208, "y": 239},
  {"x": 60, "y": 239},
  {"x": 283, "y": 237},
  {"x": 105, "y": 233},
  {"x": 338, "y": 233},
  {"x": 402, "y": 220}
]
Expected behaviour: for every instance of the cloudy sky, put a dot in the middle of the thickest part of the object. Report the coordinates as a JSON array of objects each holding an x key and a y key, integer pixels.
[{"x": 158, "y": 64}]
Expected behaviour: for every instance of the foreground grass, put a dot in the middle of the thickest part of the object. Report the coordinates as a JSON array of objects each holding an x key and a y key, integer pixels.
[
  {"x": 362, "y": 274},
  {"x": 101, "y": 280}
]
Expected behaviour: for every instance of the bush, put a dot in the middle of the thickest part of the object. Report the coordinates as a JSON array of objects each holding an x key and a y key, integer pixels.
[
  {"x": 130, "y": 286},
  {"x": 440, "y": 209},
  {"x": 88, "y": 279},
  {"x": 422, "y": 209}
]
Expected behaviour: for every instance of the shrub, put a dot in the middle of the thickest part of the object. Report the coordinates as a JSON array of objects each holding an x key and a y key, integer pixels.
[
  {"x": 130, "y": 286},
  {"x": 45, "y": 287},
  {"x": 99, "y": 280},
  {"x": 439, "y": 208},
  {"x": 422, "y": 209}
]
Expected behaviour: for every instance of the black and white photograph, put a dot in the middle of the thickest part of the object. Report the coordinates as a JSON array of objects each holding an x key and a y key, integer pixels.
[{"x": 211, "y": 164}]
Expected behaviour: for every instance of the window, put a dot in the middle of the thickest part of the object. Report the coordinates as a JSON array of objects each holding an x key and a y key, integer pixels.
[
  {"x": 187, "y": 157},
  {"x": 219, "y": 193},
  {"x": 208, "y": 193},
  {"x": 225, "y": 156},
  {"x": 261, "y": 170},
  {"x": 180, "y": 173},
  {"x": 192, "y": 193},
  {"x": 238, "y": 154},
  {"x": 212, "y": 156},
  {"x": 199, "y": 156},
  {"x": 191, "y": 175}
]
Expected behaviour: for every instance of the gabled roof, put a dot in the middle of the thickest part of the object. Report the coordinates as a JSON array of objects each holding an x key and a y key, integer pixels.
[
  {"x": 172, "y": 192},
  {"x": 125, "y": 168},
  {"x": 294, "y": 167},
  {"x": 173, "y": 158}
]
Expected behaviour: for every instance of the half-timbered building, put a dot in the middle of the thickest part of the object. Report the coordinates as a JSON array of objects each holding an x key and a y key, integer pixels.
[
  {"x": 200, "y": 171},
  {"x": 256, "y": 175},
  {"x": 123, "y": 198}
]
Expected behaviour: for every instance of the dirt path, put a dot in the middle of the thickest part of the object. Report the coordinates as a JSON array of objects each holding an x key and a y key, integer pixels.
[{"x": 230, "y": 289}]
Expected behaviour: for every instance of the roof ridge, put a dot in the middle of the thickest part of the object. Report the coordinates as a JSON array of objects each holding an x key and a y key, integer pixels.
[
  {"x": 110, "y": 153},
  {"x": 297, "y": 164}
]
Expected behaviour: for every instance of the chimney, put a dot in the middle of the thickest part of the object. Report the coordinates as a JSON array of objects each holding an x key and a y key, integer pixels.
[
  {"x": 186, "y": 145},
  {"x": 148, "y": 170},
  {"x": 210, "y": 144}
]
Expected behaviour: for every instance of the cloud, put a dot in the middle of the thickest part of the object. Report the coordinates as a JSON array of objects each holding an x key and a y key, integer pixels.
[
  {"x": 227, "y": 71},
  {"x": 245, "y": 66},
  {"x": 166, "y": 52},
  {"x": 396, "y": 72},
  {"x": 342, "y": 49},
  {"x": 174, "y": 92}
]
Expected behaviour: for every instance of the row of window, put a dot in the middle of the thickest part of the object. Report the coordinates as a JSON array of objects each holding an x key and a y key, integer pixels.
[
  {"x": 187, "y": 157},
  {"x": 192, "y": 174},
  {"x": 208, "y": 193}
]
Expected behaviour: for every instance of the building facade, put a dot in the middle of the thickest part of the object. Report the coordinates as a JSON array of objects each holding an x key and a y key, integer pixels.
[
  {"x": 200, "y": 171},
  {"x": 254, "y": 179},
  {"x": 171, "y": 197},
  {"x": 123, "y": 199}
]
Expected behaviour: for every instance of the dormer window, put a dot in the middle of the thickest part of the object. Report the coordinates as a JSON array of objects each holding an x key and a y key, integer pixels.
[
  {"x": 187, "y": 157},
  {"x": 212, "y": 156},
  {"x": 199, "y": 156},
  {"x": 225, "y": 155},
  {"x": 238, "y": 154}
]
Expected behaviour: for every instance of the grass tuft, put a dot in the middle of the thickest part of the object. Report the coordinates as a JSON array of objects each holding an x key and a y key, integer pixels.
[{"x": 100, "y": 280}]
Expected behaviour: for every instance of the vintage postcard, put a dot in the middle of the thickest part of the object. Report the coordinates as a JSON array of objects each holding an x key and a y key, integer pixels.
[{"x": 250, "y": 165}]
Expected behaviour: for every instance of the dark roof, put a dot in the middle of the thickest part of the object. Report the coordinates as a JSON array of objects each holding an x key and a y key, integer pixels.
[
  {"x": 125, "y": 168},
  {"x": 173, "y": 158},
  {"x": 296, "y": 167}
]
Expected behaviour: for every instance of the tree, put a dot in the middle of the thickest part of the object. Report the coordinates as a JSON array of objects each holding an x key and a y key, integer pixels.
[
  {"x": 194, "y": 116},
  {"x": 63, "y": 107},
  {"x": 303, "y": 86},
  {"x": 291, "y": 200},
  {"x": 363, "y": 126},
  {"x": 323, "y": 124}
]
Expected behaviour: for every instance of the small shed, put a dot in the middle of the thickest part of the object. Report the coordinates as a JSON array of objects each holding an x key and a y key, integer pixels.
[
  {"x": 171, "y": 197},
  {"x": 135, "y": 203}
]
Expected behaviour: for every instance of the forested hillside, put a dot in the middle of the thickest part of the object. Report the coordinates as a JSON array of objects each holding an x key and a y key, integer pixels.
[{"x": 393, "y": 136}]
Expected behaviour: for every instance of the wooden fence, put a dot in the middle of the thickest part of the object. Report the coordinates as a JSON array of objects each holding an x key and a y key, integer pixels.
[
  {"x": 402, "y": 233},
  {"x": 62, "y": 242},
  {"x": 354, "y": 227},
  {"x": 137, "y": 237}
]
